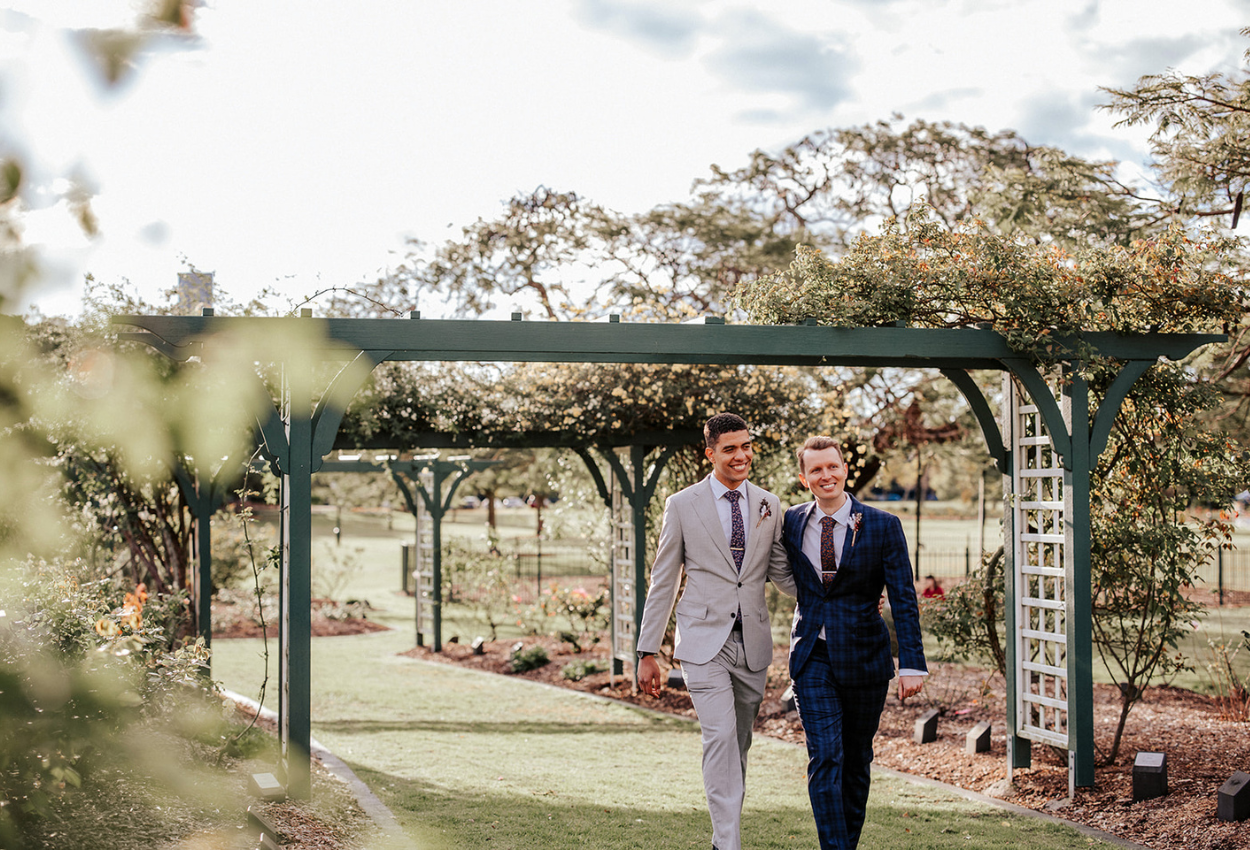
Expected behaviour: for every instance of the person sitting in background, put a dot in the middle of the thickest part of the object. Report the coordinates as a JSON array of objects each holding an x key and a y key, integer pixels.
[{"x": 932, "y": 589}]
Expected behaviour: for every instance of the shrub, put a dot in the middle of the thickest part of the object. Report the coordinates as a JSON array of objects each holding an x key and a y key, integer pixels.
[
  {"x": 80, "y": 663},
  {"x": 577, "y": 670},
  {"x": 1232, "y": 688},
  {"x": 585, "y": 612},
  {"x": 234, "y": 548},
  {"x": 333, "y": 569},
  {"x": 523, "y": 659},
  {"x": 478, "y": 578}
]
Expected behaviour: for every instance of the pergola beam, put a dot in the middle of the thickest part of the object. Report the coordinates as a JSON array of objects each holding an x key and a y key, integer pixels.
[{"x": 624, "y": 342}]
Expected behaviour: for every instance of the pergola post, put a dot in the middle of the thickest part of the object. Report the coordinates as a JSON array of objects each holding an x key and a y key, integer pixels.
[
  {"x": 295, "y": 595},
  {"x": 1078, "y": 592}
]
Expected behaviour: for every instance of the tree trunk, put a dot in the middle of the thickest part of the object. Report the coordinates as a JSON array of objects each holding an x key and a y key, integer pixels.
[{"x": 1129, "y": 694}]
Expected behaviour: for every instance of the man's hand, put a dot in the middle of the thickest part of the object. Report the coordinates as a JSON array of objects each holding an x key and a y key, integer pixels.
[
  {"x": 649, "y": 675},
  {"x": 909, "y": 686}
]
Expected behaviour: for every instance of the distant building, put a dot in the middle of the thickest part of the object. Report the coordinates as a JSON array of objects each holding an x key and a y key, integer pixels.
[{"x": 195, "y": 292}]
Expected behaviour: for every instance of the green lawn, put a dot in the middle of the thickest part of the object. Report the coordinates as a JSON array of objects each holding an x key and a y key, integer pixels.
[{"x": 470, "y": 760}]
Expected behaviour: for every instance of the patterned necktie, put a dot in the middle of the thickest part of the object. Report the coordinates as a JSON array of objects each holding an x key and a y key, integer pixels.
[
  {"x": 828, "y": 557},
  {"x": 737, "y": 534}
]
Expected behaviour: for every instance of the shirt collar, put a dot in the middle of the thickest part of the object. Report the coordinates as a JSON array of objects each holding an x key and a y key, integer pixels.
[
  {"x": 719, "y": 490},
  {"x": 842, "y": 515}
]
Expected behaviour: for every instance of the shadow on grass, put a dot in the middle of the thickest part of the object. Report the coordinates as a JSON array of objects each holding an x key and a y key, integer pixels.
[
  {"x": 351, "y": 726},
  {"x": 901, "y": 814},
  {"x": 437, "y": 817}
]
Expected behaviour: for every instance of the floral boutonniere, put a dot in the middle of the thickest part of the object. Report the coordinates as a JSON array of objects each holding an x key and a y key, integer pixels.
[
  {"x": 765, "y": 512},
  {"x": 856, "y": 520}
]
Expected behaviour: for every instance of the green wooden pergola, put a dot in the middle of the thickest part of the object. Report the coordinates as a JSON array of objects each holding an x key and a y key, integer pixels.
[{"x": 299, "y": 435}]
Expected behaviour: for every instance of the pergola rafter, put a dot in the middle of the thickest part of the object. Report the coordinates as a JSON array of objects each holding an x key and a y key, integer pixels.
[{"x": 298, "y": 436}]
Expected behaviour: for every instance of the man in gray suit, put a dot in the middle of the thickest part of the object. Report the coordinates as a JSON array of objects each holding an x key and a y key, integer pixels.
[{"x": 725, "y": 534}]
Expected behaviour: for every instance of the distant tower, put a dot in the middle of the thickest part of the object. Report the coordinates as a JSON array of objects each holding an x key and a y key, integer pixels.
[{"x": 195, "y": 292}]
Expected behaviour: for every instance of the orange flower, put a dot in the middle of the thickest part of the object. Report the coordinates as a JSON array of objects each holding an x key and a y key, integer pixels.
[{"x": 105, "y": 627}]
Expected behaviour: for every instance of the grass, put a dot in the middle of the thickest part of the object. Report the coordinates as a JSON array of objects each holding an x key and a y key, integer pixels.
[{"x": 468, "y": 760}]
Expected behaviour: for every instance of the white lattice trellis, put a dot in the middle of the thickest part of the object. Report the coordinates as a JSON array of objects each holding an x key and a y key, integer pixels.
[
  {"x": 622, "y": 570},
  {"x": 1041, "y": 656},
  {"x": 423, "y": 558}
]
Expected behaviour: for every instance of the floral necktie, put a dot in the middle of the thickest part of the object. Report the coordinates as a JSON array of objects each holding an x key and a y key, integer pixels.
[
  {"x": 737, "y": 534},
  {"x": 828, "y": 556}
]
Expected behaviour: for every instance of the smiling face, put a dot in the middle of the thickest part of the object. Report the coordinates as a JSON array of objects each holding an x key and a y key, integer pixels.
[
  {"x": 731, "y": 458},
  {"x": 824, "y": 473}
]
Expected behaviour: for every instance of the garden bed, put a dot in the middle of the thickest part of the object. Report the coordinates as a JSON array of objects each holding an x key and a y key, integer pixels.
[{"x": 235, "y": 616}]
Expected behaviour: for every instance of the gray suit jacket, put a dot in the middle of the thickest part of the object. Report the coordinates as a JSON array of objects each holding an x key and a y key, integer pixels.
[{"x": 692, "y": 540}]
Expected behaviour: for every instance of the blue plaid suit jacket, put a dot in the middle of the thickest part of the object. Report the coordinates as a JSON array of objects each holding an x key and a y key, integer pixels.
[{"x": 873, "y": 559}]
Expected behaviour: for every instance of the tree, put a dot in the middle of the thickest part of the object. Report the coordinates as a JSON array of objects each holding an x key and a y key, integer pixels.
[
  {"x": 1200, "y": 141},
  {"x": 1202, "y": 162},
  {"x": 834, "y": 185}
]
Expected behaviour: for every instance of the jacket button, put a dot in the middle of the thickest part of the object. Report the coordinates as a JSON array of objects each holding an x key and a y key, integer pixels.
[{"x": 739, "y": 584}]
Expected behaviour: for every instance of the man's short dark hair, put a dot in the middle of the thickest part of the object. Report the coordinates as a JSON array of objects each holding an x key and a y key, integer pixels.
[
  {"x": 815, "y": 444},
  {"x": 722, "y": 423}
]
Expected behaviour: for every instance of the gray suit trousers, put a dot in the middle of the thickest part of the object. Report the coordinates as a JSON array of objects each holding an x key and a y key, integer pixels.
[{"x": 726, "y": 697}]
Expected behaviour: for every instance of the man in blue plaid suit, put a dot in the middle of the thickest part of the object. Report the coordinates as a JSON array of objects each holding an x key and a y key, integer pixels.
[{"x": 843, "y": 554}]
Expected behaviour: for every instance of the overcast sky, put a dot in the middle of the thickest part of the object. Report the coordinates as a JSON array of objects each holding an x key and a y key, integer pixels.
[{"x": 299, "y": 144}]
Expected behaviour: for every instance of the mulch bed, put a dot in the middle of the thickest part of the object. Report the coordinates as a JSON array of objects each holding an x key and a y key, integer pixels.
[
  {"x": 238, "y": 620},
  {"x": 1203, "y": 748}
]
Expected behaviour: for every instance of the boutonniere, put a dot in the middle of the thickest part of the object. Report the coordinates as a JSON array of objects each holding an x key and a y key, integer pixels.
[
  {"x": 765, "y": 512},
  {"x": 856, "y": 520}
]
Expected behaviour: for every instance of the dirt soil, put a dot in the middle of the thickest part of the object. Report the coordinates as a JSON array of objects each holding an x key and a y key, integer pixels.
[
  {"x": 1202, "y": 747},
  {"x": 235, "y": 620}
]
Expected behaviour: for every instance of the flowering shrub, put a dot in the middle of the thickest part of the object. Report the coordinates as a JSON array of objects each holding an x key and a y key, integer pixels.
[
  {"x": 79, "y": 662},
  {"x": 585, "y": 612}
]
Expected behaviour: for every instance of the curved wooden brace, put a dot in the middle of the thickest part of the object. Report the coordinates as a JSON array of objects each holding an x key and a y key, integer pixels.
[
  {"x": 465, "y": 472},
  {"x": 187, "y": 485},
  {"x": 274, "y": 446},
  {"x": 627, "y": 486},
  {"x": 1040, "y": 392},
  {"x": 180, "y": 353},
  {"x": 333, "y": 404},
  {"x": 648, "y": 487},
  {"x": 1110, "y": 407},
  {"x": 406, "y": 491},
  {"x": 985, "y": 416},
  {"x": 595, "y": 474}
]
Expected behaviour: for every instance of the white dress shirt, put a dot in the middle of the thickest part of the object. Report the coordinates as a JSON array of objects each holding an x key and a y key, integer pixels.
[{"x": 723, "y": 508}]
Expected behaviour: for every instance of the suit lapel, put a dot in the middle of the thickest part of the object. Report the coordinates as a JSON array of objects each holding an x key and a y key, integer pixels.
[
  {"x": 806, "y": 571},
  {"x": 853, "y": 538},
  {"x": 705, "y": 509},
  {"x": 750, "y": 520}
]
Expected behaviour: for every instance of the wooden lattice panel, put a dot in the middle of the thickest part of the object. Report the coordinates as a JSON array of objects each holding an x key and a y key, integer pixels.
[
  {"x": 622, "y": 571},
  {"x": 1041, "y": 606}
]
